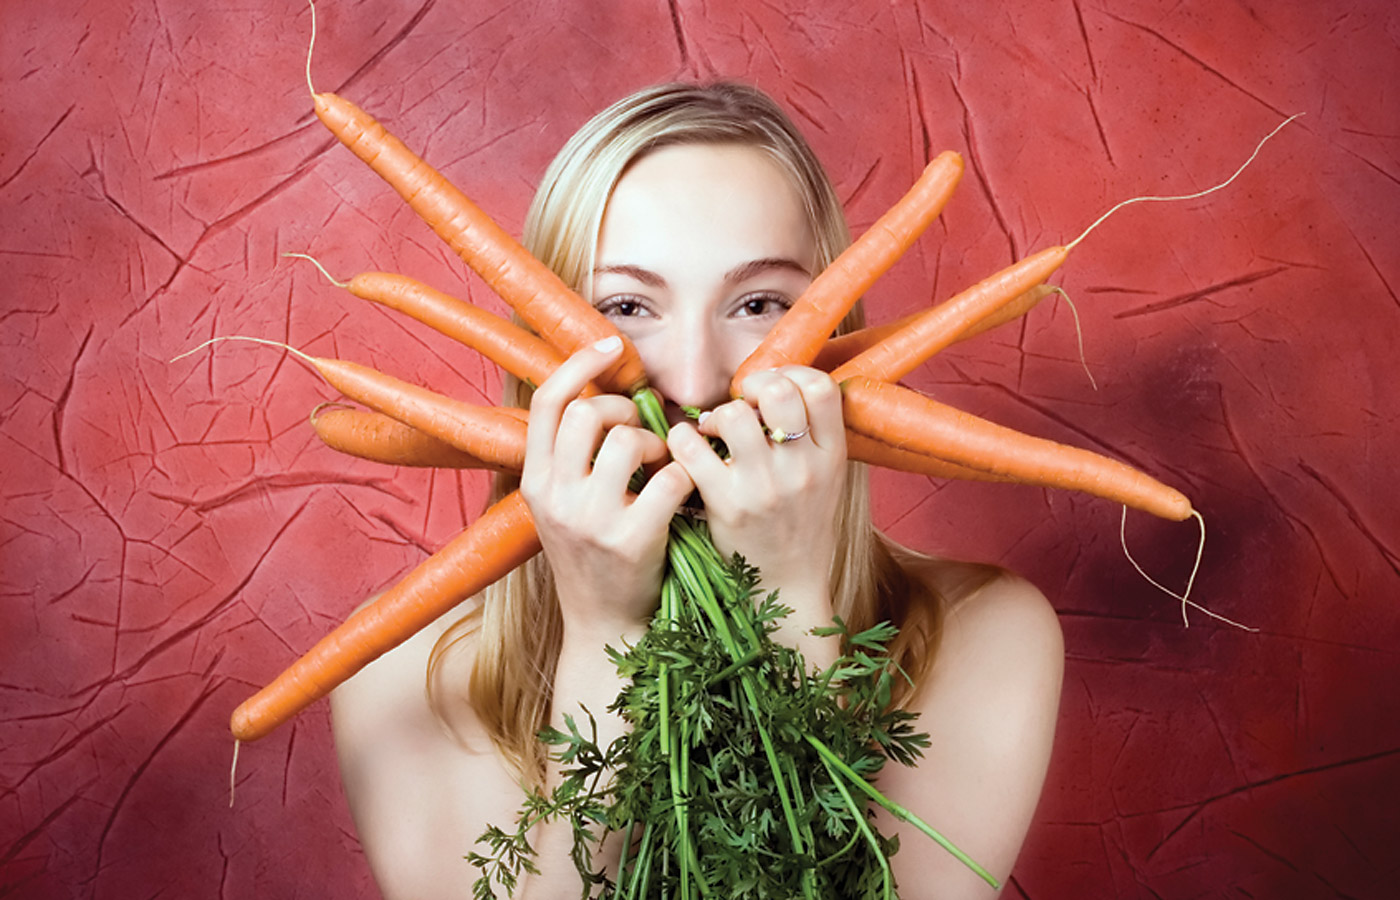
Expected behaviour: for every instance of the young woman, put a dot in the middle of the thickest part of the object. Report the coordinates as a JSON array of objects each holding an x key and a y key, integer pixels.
[{"x": 692, "y": 217}]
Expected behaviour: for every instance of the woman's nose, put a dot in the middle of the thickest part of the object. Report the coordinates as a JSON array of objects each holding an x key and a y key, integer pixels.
[{"x": 691, "y": 370}]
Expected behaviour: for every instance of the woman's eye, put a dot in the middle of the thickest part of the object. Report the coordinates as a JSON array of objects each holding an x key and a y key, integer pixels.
[
  {"x": 764, "y": 305},
  {"x": 622, "y": 307}
]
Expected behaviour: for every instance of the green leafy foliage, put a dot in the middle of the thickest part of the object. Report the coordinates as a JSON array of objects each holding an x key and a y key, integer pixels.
[{"x": 734, "y": 779}]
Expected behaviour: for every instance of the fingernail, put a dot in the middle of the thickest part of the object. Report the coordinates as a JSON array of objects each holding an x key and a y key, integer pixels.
[
  {"x": 700, "y": 419},
  {"x": 608, "y": 344}
]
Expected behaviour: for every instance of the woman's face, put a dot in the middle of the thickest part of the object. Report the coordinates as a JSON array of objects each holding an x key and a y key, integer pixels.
[{"x": 703, "y": 247}]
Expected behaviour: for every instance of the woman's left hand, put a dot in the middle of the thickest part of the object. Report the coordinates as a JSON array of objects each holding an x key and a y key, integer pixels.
[{"x": 775, "y": 501}]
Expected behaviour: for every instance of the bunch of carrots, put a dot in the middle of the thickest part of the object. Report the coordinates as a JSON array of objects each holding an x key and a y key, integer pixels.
[{"x": 887, "y": 424}]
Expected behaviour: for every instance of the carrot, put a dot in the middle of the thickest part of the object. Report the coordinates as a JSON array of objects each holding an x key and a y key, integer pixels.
[
  {"x": 377, "y": 437},
  {"x": 485, "y": 432},
  {"x": 876, "y": 452},
  {"x": 556, "y": 313},
  {"x": 840, "y": 349},
  {"x": 804, "y": 328},
  {"x": 910, "y": 421},
  {"x": 512, "y": 348},
  {"x": 929, "y": 332},
  {"x": 495, "y": 434},
  {"x": 496, "y": 543}
]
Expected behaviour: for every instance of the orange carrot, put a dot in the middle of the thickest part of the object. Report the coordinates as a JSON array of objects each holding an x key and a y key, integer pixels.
[
  {"x": 485, "y": 432},
  {"x": 839, "y": 349},
  {"x": 878, "y": 453},
  {"x": 507, "y": 345},
  {"x": 556, "y": 313},
  {"x": 377, "y": 437},
  {"x": 499, "y": 541},
  {"x": 799, "y": 335},
  {"x": 911, "y": 421},
  {"x": 905, "y": 350}
]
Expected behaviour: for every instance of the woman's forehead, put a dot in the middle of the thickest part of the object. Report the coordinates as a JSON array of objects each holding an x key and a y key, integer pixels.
[{"x": 726, "y": 199}]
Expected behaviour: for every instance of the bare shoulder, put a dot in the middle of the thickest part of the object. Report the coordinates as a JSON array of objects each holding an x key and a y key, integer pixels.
[
  {"x": 418, "y": 793},
  {"x": 989, "y": 704},
  {"x": 386, "y": 703},
  {"x": 1007, "y": 616}
]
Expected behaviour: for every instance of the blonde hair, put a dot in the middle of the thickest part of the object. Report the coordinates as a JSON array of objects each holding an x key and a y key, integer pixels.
[{"x": 516, "y": 631}]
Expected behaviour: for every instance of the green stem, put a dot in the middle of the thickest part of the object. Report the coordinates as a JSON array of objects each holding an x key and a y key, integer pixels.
[
  {"x": 899, "y": 812},
  {"x": 789, "y": 814},
  {"x": 858, "y": 814},
  {"x": 652, "y": 414},
  {"x": 622, "y": 858},
  {"x": 663, "y": 675},
  {"x": 692, "y": 574},
  {"x": 641, "y": 872},
  {"x": 749, "y": 659}
]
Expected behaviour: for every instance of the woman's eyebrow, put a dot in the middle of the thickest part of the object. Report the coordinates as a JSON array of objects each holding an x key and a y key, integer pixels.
[
  {"x": 739, "y": 273},
  {"x": 754, "y": 267},
  {"x": 645, "y": 276}
]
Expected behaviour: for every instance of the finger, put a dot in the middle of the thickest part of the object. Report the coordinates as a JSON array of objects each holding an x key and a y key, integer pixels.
[
  {"x": 662, "y": 496},
  {"x": 624, "y": 450},
  {"x": 780, "y": 403},
  {"x": 582, "y": 429},
  {"x": 549, "y": 400},
  {"x": 737, "y": 424},
  {"x": 689, "y": 448},
  {"x": 821, "y": 397}
]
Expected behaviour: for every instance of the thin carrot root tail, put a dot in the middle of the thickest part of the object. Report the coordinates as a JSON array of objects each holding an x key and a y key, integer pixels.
[
  {"x": 252, "y": 340},
  {"x": 310, "y": 46},
  {"x": 501, "y": 539},
  {"x": 1185, "y": 595},
  {"x": 233, "y": 772},
  {"x": 324, "y": 405},
  {"x": 1210, "y": 190},
  {"x": 317, "y": 263},
  {"x": 1078, "y": 333}
]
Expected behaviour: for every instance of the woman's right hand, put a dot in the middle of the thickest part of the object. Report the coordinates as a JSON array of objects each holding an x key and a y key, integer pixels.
[{"x": 605, "y": 545}]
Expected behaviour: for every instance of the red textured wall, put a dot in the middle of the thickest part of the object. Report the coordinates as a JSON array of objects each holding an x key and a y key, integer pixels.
[{"x": 171, "y": 534}]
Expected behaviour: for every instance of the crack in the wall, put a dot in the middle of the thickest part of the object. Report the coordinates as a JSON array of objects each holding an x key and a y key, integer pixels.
[
  {"x": 1088, "y": 48},
  {"x": 1205, "y": 292},
  {"x": 975, "y": 158},
  {"x": 678, "y": 32},
  {"x": 394, "y": 40},
  {"x": 1199, "y": 62},
  {"x": 37, "y": 147},
  {"x": 193, "y": 627},
  {"x": 17, "y": 846},
  {"x": 60, "y": 404},
  {"x": 180, "y": 723},
  {"x": 1197, "y": 807},
  {"x": 264, "y": 485},
  {"x": 1370, "y": 260},
  {"x": 1390, "y": 556}
]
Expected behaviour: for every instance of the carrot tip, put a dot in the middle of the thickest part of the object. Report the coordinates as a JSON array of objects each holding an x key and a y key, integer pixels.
[{"x": 242, "y": 724}]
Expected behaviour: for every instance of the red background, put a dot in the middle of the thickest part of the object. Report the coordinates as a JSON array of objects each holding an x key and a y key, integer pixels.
[{"x": 172, "y": 534}]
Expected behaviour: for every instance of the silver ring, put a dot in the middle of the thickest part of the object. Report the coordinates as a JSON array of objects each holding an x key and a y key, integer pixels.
[{"x": 778, "y": 436}]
